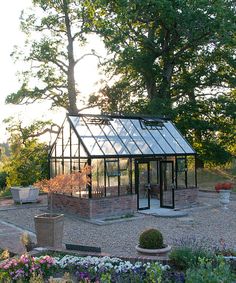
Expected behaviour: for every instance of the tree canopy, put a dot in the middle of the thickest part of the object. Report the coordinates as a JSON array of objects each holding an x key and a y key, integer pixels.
[
  {"x": 53, "y": 28},
  {"x": 173, "y": 58},
  {"x": 27, "y": 162}
]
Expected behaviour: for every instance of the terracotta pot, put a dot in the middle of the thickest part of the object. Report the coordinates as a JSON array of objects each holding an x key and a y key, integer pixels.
[
  {"x": 162, "y": 251},
  {"x": 49, "y": 229}
]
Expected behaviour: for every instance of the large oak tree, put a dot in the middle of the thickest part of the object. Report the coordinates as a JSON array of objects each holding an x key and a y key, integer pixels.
[
  {"x": 53, "y": 29},
  {"x": 174, "y": 58}
]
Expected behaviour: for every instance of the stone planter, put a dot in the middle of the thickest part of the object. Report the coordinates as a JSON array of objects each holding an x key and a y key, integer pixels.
[
  {"x": 24, "y": 194},
  {"x": 49, "y": 229},
  {"x": 162, "y": 251},
  {"x": 224, "y": 196}
]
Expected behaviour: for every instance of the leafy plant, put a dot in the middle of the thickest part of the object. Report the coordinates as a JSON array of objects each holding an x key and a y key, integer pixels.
[
  {"x": 151, "y": 239},
  {"x": 185, "y": 257},
  {"x": 208, "y": 272},
  {"x": 3, "y": 180}
]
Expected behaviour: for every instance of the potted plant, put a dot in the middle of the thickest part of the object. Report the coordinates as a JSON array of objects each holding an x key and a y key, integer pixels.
[
  {"x": 224, "y": 190},
  {"x": 151, "y": 242},
  {"x": 49, "y": 226}
]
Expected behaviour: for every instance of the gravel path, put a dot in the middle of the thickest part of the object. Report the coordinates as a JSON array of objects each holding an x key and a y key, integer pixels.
[{"x": 207, "y": 222}]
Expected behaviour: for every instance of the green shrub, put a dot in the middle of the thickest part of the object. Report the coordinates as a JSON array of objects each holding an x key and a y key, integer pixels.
[
  {"x": 185, "y": 257},
  {"x": 151, "y": 239},
  {"x": 5, "y": 193},
  {"x": 210, "y": 272},
  {"x": 3, "y": 180}
]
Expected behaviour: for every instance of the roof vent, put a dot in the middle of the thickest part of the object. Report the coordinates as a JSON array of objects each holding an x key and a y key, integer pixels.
[
  {"x": 151, "y": 123},
  {"x": 98, "y": 120}
]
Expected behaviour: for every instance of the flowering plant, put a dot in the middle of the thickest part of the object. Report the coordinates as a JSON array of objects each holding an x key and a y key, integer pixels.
[
  {"x": 223, "y": 186},
  {"x": 23, "y": 267}
]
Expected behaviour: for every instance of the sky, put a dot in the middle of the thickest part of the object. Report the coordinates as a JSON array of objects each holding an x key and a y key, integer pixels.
[{"x": 10, "y": 34}]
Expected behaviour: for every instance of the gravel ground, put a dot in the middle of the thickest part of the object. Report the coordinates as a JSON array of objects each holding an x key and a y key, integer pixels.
[{"x": 207, "y": 222}]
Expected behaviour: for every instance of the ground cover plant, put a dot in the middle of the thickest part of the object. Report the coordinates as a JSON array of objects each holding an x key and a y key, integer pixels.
[
  {"x": 81, "y": 269},
  {"x": 108, "y": 270}
]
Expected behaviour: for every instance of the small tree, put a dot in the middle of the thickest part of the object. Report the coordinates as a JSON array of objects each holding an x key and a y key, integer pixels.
[{"x": 64, "y": 183}]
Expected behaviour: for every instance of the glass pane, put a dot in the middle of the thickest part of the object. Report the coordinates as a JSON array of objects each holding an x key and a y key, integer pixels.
[
  {"x": 124, "y": 177},
  {"x": 52, "y": 168},
  {"x": 98, "y": 189},
  {"x": 191, "y": 172},
  {"x": 101, "y": 139},
  {"x": 154, "y": 180},
  {"x": 125, "y": 136},
  {"x": 162, "y": 141},
  {"x": 148, "y": 138},
  {"x": 179, "y": 138},
  {"x": 181, "y": 175},
  {"x": 86, "y": 136},
  {"x": 141, "y": 143},
  {"x": 171, "y": 141},
  {"x": 115, "y": 140},
  {"x": 167, "y": 183},
  {"x": 143, "y": 185}
]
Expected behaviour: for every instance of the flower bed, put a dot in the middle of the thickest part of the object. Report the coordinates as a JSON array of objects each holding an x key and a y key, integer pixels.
[
  {"x": 81, "y": 269},
  {"x": 109, "y": 270}
]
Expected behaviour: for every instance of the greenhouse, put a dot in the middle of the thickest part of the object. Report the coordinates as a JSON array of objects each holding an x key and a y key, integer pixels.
[{"x": 135, "y": 162}]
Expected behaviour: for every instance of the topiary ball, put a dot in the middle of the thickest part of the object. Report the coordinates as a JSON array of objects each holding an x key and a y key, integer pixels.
[{"x": 151, "y": 239}]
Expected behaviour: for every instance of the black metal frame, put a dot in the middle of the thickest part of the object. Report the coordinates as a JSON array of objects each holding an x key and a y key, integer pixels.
[
  {"x": 137, "y": 162},
  {"x": 137, "y": 158},
  {"x": 161, "y": 185}
]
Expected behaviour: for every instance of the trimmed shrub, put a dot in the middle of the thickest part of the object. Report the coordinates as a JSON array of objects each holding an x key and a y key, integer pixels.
[{"x": 151, "y": 239}]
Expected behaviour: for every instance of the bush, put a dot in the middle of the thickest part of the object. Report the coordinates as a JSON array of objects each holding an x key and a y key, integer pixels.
[
  {"x": 3, "y": 180},
  {"x": 185, "y": 257},
  {"x": 151, "y": 239},
  {"x": 208, "y": 271}
]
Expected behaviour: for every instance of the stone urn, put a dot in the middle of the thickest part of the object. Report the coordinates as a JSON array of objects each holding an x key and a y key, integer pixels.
[{"x": 224, "y": 197}]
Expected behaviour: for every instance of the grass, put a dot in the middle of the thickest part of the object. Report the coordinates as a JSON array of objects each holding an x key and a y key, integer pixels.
[
  {"x": 5, "y": 192},
  {"x": 207, "y": 178}
]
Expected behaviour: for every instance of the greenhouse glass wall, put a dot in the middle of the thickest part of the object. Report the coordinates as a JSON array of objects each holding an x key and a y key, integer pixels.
[{"x": 145, "y": 157}]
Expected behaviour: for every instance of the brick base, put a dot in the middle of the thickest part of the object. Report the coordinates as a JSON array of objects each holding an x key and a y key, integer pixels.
[
  {"x": 185, "y": 197},
  {"x": 97, "y": 207}
]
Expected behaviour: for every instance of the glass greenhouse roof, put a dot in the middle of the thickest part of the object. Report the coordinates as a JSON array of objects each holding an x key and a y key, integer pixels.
[{"x": 104, "y": 136}]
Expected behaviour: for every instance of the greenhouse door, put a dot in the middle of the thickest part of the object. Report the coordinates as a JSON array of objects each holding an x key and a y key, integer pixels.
[
  {"x": 142, "y": 184},
  {"x": 167, "y": 184}
]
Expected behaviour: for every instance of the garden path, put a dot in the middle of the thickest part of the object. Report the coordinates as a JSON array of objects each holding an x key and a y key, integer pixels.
[{"x": 207, "y": 222}]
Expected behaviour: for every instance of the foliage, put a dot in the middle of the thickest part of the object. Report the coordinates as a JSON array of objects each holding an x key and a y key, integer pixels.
[
  {"x": 186, "y": 257},
  {"x": 3, "y": 180},
  {"x": 53, "y": 29},
  {"x": 22, "y": 268},
  {"x": 5, "y": 193},
  {"x": 84, "y": 269},
  {"x": 151, "y": 239},
  {"x": 65, "y": 183},
  {"x": 173, "y": 58},
  {"x": 224, "y": 250},
  {"x": 187, "y": 250},
  {"x": 207, "y": 271},
  {"x": 27, "y": 162}
]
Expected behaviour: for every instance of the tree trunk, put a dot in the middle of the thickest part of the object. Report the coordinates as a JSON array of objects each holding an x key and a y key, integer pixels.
[
  {"x": 164, "y": 90},
  {"x": 72, "y": 95}
]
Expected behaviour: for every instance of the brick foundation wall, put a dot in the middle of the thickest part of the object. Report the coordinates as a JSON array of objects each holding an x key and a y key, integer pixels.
[
  {"x": 185, "y": 197},
  {"x": 97, "y": 207}
]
